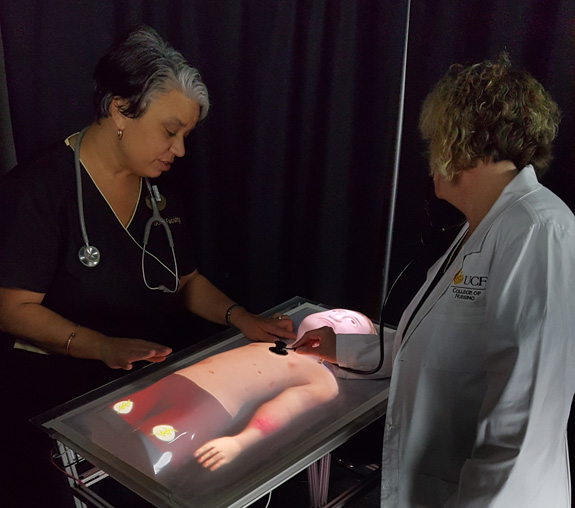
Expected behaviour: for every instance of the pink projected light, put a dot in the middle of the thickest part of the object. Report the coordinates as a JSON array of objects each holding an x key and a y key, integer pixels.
[
  {"x": 188, "y": 415},
  {"x": 340, "y": 320}
]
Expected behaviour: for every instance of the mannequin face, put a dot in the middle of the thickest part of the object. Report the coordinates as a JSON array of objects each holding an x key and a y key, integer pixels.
[{"x": 340, "y": 320}]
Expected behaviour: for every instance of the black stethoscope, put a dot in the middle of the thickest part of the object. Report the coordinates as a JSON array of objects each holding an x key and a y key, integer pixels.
[{"x": 90, "y": 255}]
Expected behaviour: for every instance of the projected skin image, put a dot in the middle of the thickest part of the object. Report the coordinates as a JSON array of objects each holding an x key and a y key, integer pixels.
[
  {"x": 189, "y": 414},
  {"x": 341, "y": 320}
]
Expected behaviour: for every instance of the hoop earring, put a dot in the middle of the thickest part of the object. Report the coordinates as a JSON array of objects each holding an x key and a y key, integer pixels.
[{"x": 120, "y": 133}]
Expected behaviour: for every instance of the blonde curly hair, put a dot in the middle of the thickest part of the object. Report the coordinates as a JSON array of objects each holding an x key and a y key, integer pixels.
[{"x": 489, "y": 111}]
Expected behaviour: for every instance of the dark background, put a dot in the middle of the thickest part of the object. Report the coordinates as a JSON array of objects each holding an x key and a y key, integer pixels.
[{"x": 289, "y": 177}]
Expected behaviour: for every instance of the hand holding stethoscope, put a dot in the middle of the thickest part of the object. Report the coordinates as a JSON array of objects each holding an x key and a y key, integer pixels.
[{"x": 90, "y": 255}]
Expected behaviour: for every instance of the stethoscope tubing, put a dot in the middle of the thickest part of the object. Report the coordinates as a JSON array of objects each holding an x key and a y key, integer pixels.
[
  {"x": 156, "y": 217},
  {"x": 89, "y": 255}
]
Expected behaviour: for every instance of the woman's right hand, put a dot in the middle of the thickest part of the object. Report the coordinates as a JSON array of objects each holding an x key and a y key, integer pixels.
[
  {"x": 319, "y": 342},
  {"x": 121, "y": 353}
]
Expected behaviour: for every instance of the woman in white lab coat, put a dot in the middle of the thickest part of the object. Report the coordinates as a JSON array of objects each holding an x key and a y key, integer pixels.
[{"x": 483, "y": 361}]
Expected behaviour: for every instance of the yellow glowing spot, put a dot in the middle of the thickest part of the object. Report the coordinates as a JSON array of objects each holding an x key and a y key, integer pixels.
[
  {"x": 164, "y": 432},
  {"x": 458, "y": 279},
  {"x": 123, "y": 407}
]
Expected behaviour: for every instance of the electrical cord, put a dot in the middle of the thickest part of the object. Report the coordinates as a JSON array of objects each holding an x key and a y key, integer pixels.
[
  {"x": 77, "y": 480},
  {"x": 269, "y": 499}
]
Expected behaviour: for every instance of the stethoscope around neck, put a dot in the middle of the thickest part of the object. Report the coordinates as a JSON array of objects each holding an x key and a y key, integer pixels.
[{"x": 90, "y": 255}]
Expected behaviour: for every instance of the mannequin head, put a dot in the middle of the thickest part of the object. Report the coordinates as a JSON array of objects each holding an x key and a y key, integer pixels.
[{"x": 340, "y": 320}]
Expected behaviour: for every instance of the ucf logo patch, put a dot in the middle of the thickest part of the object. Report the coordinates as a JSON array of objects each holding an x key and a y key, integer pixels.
[
  {"x": 468, "y": 287},
  {"x": 458, "y": 279}
]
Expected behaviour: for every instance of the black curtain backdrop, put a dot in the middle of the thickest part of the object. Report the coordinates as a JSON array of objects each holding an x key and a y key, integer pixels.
[
  {"x": 289, "y": 176},
  {"x": 540, "y": 37}
]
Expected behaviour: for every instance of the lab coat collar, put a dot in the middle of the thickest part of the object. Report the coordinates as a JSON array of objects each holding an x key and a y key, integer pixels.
[
  {"x": 433, "y": 296},
  {"x": 524, "y": 183}
]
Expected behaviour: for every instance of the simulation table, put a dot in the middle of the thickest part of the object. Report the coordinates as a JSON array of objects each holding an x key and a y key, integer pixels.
[{"x": 263, "y": 467}]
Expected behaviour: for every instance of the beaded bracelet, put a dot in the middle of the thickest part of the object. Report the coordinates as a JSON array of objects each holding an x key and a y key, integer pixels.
[{"x": 229, "y": 311}]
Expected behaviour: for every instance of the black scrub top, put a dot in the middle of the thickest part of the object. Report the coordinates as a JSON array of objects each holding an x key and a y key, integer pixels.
[{"x": 40, "y": 236}]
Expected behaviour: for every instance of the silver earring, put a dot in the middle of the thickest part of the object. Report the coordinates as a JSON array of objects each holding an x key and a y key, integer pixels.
[{"x": 120, "y": 133}]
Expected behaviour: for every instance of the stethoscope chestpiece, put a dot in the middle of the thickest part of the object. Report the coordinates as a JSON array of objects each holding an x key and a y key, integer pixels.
[
  {"x": 279, "y": 348},
  {"x": 89, "y": 256}
]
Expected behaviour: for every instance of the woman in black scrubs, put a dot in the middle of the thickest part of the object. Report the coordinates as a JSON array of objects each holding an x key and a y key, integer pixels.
[{"x": 78, "y": 317}]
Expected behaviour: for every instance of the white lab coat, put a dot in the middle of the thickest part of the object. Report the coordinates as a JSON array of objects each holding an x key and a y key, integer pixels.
[{"x": 484, "y": 376}]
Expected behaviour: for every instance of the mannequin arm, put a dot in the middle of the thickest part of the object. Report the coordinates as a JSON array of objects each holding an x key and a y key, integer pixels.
[{"x": 268, "y": 419}]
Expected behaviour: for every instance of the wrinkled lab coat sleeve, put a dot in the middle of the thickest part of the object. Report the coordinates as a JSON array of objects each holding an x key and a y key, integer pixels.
[
  {"x": 527, "y": 349},
  {"x": 362, "y": 352}
]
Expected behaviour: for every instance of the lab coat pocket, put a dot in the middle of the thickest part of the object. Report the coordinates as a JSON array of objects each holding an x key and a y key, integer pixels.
[
  {"x": 459, "y": 305},
  {"x": 456, "y": 342},
  {"x": 463, "y": 315}
]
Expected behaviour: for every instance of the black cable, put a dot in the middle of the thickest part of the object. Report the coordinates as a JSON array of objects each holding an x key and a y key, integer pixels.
[{"x": 426, "y": 242}]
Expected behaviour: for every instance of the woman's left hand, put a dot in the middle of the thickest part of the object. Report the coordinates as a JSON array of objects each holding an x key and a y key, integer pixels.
[{"x": 262, "y": 329}]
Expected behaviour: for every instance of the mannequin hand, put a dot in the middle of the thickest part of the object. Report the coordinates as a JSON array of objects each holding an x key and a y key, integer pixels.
[
  {"x": 120, "y": 353},
  {"x": 218, "y": 452},
  {"x": 319, "y": 342},
  {"x": 261, "y": 329}
]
